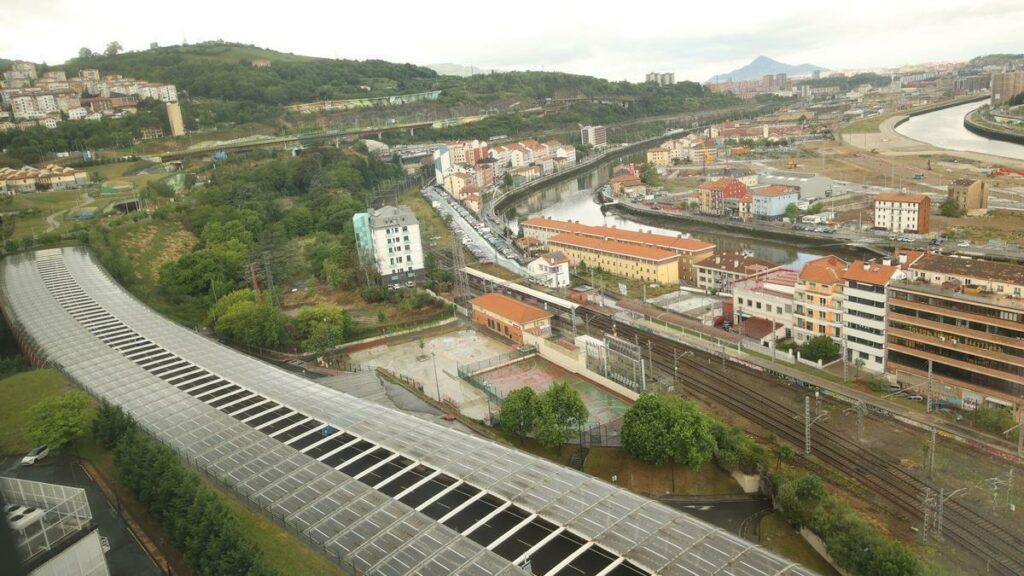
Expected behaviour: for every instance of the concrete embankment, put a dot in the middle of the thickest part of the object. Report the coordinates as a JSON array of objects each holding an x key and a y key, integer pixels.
[{"x": 972, "y": 124}]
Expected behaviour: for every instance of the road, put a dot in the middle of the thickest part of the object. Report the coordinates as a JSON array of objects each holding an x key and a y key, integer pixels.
[
  {"x": 51, "y": 221},
  {"x": 444, "y": 204}
]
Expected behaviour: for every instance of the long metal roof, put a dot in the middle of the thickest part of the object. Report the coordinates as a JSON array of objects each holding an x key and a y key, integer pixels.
[{"x": 380, "y": 491}]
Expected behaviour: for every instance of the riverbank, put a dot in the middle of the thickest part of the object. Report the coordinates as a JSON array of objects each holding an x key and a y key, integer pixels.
[{"x": 975, "y": 124}]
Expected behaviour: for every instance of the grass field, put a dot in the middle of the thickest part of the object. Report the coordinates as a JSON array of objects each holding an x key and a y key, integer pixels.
[
  {"x": 778, "y": 536},
  {"x": 431, "y": 224},
  {"x": 20, "y": 393},
  {"x": 641, "y": 478},
  {"x": 865, "y": 125}
]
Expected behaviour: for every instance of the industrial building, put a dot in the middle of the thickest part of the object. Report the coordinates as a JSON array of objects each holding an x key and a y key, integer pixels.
[{"x": 376, "y": 490}]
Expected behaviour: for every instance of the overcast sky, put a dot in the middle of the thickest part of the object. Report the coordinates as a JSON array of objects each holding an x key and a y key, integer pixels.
[{"x": 694, "y": 39}]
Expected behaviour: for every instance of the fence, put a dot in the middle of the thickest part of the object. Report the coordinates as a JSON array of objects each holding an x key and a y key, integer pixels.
[{"x": 479, "y": 366}]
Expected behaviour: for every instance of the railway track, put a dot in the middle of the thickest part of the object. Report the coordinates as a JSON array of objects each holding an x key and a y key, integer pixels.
[{"x": 989, "y": 542}]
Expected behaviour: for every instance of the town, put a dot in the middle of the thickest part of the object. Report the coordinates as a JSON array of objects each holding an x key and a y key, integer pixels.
[{"x": 352, "y": 316}]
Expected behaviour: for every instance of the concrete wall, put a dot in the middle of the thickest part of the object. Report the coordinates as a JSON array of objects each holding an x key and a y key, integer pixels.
[{"x": 576, "y": 362}]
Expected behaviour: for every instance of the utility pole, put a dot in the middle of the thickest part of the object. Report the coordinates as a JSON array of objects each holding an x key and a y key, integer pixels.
[
  {"x": 928, "y": 391},
  {"x": 931, "y": 454},
  {"x": 809, "y": 422},
  {"x": 846, "y": 365},
  {"x": 926, "y": 513}
]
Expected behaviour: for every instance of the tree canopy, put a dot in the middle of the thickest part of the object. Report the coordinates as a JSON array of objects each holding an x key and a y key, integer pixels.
[
  {"x": 518, "y": 412},
  {"x": 57, "y": 421},
  {"x": 659, "y": 429}
]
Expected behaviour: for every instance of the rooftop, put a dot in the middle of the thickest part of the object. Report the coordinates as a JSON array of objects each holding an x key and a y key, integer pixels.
[
  {"x": 981, "y": 269},
  {"x": 826, "y": 270},
  {"x": 614, "y": 247},
  {"x": 737, "y": 262},
  {"x": 869, "y": 272},
  {"x": 510, "y": 308},
  {"x": 911, "y": 198},
  {"x": 756, "y": 328},
  {"x": 389, "y": 216},
  {"x": 673, "y": 243},
  {"x": 774, "y": 190},
  {"x": 722, "y": 184}
]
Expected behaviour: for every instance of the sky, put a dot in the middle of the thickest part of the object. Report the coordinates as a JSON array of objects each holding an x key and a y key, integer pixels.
[{"x": 693, "y": 39}]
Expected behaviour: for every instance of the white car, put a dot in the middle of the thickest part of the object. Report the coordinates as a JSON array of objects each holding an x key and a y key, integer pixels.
[
  {"x": 37, "y": 454},
  {"x": 964, "y": 244}
]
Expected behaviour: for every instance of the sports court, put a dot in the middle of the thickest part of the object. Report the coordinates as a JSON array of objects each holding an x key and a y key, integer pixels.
[{"x": 537, "y": 373}]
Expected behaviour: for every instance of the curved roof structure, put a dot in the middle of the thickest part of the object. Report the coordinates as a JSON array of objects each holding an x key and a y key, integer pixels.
[{"x": 379, "y": 491}]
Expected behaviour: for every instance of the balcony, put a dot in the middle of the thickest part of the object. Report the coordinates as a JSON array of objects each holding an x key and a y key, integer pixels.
[{"x": 973, "y": 294}]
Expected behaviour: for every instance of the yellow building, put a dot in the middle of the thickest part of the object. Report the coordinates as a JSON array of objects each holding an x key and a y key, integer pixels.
[
  {"x": 659, "y": 156},
  {"x": 818, "y": 300},
  {"x": 174, "y": 119},
  {"x": 629, "y": 261}
]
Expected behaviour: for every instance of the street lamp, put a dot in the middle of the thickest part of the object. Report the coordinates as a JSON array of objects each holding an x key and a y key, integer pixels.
[{"x": 437, "y": 385}]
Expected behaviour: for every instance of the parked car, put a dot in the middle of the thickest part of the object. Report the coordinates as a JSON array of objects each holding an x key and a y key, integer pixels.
[
  {"x": 964, "y": 244},
  {"x": 915, "y": 397},
  {"x": 37, "y": 454}
]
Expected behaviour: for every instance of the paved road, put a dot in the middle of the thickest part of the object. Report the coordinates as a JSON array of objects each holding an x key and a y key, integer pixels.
[
  {"x": 434, "y": 196},
  {"x": 126, "y": 557}
]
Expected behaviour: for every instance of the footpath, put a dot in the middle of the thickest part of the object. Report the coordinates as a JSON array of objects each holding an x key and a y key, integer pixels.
[{"x": 873, "y": 404}]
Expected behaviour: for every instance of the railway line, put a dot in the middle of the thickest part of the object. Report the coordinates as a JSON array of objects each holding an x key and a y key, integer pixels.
[{"x": 1002, "y": 550}]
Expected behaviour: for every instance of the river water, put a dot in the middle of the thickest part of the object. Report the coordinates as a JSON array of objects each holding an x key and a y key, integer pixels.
[
  {"x": 574, "y": 200},
  {"x": 945, "y": 129}
]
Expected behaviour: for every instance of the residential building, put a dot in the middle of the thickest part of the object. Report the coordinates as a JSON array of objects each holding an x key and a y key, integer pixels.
[
  {"x": 770, "y": 202},
  {"x": 388, "y": 239},
  {"x": 472, "y": 202},
  {"x": 863, "y": 303},
  {"x": 659, "y": 156},
  {"x": 622, "y": 181},
  {"x": 690, "y": 250},
  {"x": 50, "y": 177},
  {"x": 551, "y": 270},
  {"x": 510, "y": 317},
  {"x": 595, "y": 136},
  {"x": 77, "y": 113},
  {"x": 524, "y": 174},
  {"x": 174, "y": 118},
  {"x": 713, "y": 194},
  {"x": 626, "y": 260},
  {"x": 661, "y": 78},
  {"x": 817, "y": 300},
  {"x": 455, "y": 182},
  {"x": 962, "y": 320},
  {"x": 969, "y": 194},
  {"x": 769, "y": 297},
  {"x": 739, "y": 208},
  {"x": 720, "y": 272},
  {"x": 902, "y": 212},
  {"x": 1006, "y": 85}
]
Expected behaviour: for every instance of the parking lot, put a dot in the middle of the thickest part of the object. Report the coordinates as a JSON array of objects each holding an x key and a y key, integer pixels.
[{"x": 474, "y": 234}]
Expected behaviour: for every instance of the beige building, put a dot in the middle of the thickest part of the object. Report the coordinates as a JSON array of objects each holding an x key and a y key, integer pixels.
[
  {"x": 968, "y": 194},
  {"x": 724, "y": 269},
  {"x": 659, "y": 156},
  {"x": 1006, "y": 85},
  {"x": 174, "y": 119},
  {"x": 621, "y": 259}
]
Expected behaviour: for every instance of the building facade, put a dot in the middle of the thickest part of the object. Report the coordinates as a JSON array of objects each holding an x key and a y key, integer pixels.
[
  {"x": 770, "y": 202},
  {"x": 1006, "y": 85},
  {"x": 769, "y": 296},
  {"x": 595, "y": 136},
  {"x": 962, "y": 321},
  {"x": 510, "y": 317},
  {"x": 551, "y": 270},
  {"x": 864, "y": 305},
  {"x": 389, "y": 240},
  {"x": 630, "y": 261},
  {"x": 969, "y": 194},
  {"x": 818, "y": 300},
  {"x": 903, "y": 213}
]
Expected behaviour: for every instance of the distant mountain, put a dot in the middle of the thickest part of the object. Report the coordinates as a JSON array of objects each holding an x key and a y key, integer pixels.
[
  {"x": 996, "y": 60},
  {"x": 448, "y": 69},
  {"x": 764, "y": 65}
]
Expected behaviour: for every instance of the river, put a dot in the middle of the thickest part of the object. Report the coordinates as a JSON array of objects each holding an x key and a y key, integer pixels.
[
  {"x": 573, "y": 199},
  {"x": 945, "y": 129}
]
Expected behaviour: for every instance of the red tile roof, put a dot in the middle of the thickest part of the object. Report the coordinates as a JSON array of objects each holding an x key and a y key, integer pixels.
[
  {"x": 613, "y": 247},
  {"x": 827, "y": 270},
  {"x": 509, "y": 308},
  {"x": 774, "y": 191},
  {"x": 869, "y": 272},
  {"x": 663, "y": 241}
]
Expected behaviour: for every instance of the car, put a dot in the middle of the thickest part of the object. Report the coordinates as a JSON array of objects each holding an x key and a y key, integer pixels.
[
  {"x": 915, "y": 397},
  {"x": 964, "y": 244},
  {"x": 410, "y": 284},
  {"x": 37, "y": 454}
]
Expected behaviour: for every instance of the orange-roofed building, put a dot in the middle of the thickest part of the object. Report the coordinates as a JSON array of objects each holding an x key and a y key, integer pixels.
[
  {"x": 817, "y": 300},
  {"x": 626, "y": 260},
  {"x": 510, "y": 317},
  {"x": 714, "y": 193},
  {"x": 864, "y": 311},
  {"x": 903, "y": 212},
  {"x": 690, "y": 250},
  {"x": 626, "y": 180}
]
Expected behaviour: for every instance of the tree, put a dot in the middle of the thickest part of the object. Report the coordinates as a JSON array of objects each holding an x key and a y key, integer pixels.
[
  {"x": 252, "y": 324},
  {"x": 819, "y": 348},
  {"x": 792, "y": 212},
  {"x": 785, "y": 455},
  {"x": 800, "y": 498},
  {"x": 519, "y": 411},
  {"x": 110, "y": 425},
  {"x": 221, "y": 307},
  {"x": 113, "y": 49},
  {"x": 59, "y": 420},
  {"x": 659, "y": 429},
  {"x": 85, "y": 53},
  {"x": 950, "y": 209},
  {"x": 506, "y": 180},
  {"x": 561, "y": 411},
  {"x": 321, "y": 328},
  {"x": 8, "y": 223}
]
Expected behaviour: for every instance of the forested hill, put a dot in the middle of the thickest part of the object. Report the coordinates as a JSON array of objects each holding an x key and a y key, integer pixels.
[{"x": 225, "y": 71}]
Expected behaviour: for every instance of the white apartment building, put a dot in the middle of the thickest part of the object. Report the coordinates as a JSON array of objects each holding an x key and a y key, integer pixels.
[
  {"x": 391, "y": 237},
  {"x": 769, "y": 297},
  {"x": 595, "y": 136},
  {"x": 864, "y": 311},
  {"x": 46, "y": 103},
  {"x": 24, "y": 107},
  {"x": 902, "y": 212},
  {"x": 77, "y": 113},
  {"x": 551, "y": 270}
]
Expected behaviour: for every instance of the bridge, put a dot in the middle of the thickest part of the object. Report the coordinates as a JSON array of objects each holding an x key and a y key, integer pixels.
[{"x": 378, "y": 491}]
